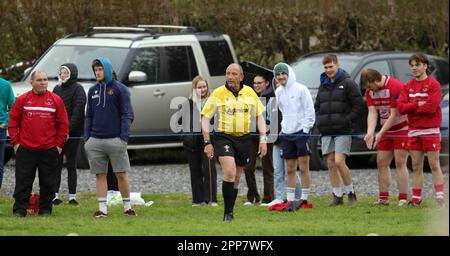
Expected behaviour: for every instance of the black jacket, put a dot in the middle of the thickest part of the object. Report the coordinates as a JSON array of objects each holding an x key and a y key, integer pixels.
[
  {"x": 338, "y": 105},
  {"x": 193, "y": 139},
  {"x": 74, "y": 97}
]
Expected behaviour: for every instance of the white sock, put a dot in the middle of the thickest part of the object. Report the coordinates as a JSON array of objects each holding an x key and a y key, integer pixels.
[
  {"x": 305, "y": 193},
  {"x": 102, "y": 205},
  {"x": 56, "y": 196},
  {"x": 337, "y": 191},
  {"x": 126, "y": 204},
  {"x": 290, "y": 192},
  {"x": 72, "y": 196},
  {"x": 349, "y": 188}
]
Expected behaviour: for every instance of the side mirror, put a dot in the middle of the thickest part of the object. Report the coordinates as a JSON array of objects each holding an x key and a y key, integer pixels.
[
  {"x": 26, "y": 71},
  {"x": 137, "y": 76}
]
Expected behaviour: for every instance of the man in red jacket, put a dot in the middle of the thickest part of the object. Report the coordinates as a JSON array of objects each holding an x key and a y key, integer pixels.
[
  {"x": 420, "y": 99},
  {"x": 38, "y": 127}
]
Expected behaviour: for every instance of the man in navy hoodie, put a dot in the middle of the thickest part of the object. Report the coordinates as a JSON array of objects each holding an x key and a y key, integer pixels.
[{"x": 107, "y": 124}]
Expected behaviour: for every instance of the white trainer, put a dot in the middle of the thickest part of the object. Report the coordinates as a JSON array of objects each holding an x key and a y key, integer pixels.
[
  {"x": 402, "y": 203},
  {"x": 274, "y": 202}
]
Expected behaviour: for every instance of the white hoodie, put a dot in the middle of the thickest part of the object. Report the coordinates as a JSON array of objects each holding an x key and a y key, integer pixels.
[{"x": 296, "y": 105}]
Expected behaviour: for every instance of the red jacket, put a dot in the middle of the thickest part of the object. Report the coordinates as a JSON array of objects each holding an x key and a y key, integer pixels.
[
  {"x": 427, "y": 116},
  {"x": 38, "y": 121}
]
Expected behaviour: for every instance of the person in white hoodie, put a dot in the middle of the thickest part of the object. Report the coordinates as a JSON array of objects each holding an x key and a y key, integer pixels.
[{"x": 297, "y": 108}]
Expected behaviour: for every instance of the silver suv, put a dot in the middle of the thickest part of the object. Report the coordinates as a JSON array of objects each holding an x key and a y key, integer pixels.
[{"x": 157, "y": 67}]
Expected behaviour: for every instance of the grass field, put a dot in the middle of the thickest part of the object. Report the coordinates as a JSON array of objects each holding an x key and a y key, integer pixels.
[{"x": 173, "y": 215}]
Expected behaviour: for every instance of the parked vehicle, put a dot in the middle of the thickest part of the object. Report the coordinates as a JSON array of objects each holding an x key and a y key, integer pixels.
[
  {"x": 156, "y": 66},
  {"x": 395, "y": 63}
]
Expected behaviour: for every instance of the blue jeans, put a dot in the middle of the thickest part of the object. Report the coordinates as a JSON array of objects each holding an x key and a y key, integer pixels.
[
  {"x": 2, "y": 152},
  {"x": 280, "y": 174}
]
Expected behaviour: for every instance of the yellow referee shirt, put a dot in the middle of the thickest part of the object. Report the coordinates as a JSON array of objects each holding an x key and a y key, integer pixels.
[{"x": 235, "y": 113}]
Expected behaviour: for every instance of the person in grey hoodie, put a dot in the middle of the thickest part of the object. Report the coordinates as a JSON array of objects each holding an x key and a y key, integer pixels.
[
  {"x": 109, "y": 115},
  {"x": 74, "y": 97}
]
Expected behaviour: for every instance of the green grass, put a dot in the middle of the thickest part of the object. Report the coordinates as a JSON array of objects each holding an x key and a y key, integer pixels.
[{"x": 173, "y": 215}]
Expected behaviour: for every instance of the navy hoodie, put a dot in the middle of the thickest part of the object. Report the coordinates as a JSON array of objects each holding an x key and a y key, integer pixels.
[{"x": 109, "y": 113}]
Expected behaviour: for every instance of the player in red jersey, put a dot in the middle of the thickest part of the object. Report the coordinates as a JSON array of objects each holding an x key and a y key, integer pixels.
[
  {"x": 420, "y": 100},
  {"x": 382, "y": 93}
]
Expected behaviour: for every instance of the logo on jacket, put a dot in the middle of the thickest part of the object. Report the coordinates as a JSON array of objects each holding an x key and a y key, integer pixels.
[
  {"x": 29, "y": 114},
  {"x": 341, "y": 87},
  {"x": 227, "y": 148},
  {"x": 110, "y": 92},
  {"x": 49, "y": 102}
]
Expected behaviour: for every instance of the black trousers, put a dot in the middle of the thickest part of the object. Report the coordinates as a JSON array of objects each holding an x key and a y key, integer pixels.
[
  {"x": 70, "y": 150},
  {"x": 267, "y": 167},
  {"x": 203, "y": 176},
  {"x": 26, "y": 163}
]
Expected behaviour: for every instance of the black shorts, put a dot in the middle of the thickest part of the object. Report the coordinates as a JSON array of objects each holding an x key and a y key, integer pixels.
[
  {"x": 237, "y": 147},
  {"x": 294, "y": 145}
]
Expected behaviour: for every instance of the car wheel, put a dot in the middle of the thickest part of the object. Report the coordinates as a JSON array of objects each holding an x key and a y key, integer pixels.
[
  {"x": 82, "y": 160},
  {"x": 317, "y": 161}
]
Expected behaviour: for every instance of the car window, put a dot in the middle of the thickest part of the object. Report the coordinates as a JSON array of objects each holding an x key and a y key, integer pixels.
[
  {"x": 165, "y": 64},
  {"x": 218, "y": 56},
  {"x": 381, "y": 66},
  {"x": 442, "y": 71},
  {"x": 402, "y": 70},
  {"x": 82, "y": 56},
  {"x": 308, "y": 70}
]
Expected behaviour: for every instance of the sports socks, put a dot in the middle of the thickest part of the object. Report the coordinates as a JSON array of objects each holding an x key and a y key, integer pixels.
[
  {"x": 416, "y": 195},
  {"x": 305, "y": 194},
  {"x": 102, "y": 205}
]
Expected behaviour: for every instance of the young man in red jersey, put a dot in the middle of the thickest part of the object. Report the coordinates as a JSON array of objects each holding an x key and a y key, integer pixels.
[
  {"x": 382, "y": 93},
  {"x": 420, "y": 100}
]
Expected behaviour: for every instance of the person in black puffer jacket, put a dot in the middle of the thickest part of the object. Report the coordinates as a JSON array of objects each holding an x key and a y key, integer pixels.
[
  {"x": 74, "y": 97},
  {"x": 338, "y": 104}
]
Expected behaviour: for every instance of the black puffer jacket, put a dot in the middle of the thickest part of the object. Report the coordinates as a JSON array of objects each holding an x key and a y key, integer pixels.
[
  {"x": 338, "y": 105},
  {"x": 74, "y": 97}
]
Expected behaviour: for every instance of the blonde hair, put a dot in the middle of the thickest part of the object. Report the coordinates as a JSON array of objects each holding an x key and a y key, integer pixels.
[{"x": 194, "y": 86}]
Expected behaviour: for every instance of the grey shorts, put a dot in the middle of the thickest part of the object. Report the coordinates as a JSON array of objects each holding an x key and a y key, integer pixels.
[
  {"x": 337, "y": 144},
  {"x": 101, "y": 151}
]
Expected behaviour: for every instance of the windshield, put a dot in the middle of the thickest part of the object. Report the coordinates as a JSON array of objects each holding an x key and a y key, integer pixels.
[
  {"x": 308, "y": 70},
  {"x": 82, "y": 56}
]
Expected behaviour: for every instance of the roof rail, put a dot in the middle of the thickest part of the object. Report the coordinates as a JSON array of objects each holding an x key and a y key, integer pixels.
[
  {"x": 181, "y": 28},
  {"x": 92, "y": 30}
]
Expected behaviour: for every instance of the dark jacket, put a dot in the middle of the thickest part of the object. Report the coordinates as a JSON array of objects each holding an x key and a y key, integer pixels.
[
  {"x": 109, "y": 113},
  {"x": 74, "y": 97},
  {"x": 338, "y": 104},
  {"x": 193, "y": 138}
]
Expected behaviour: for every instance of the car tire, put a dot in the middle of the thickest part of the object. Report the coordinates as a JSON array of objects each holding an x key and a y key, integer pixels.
[
  {"x": 317, "y": 161},
  {"x": 82, "y": 160}
]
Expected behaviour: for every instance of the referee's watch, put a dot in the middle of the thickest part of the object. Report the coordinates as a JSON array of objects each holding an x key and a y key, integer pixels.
[{"x": 206, "y": 142}]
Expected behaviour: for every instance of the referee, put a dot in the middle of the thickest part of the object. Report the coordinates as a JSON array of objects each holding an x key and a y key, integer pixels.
[{"x": 236, "y": 105}]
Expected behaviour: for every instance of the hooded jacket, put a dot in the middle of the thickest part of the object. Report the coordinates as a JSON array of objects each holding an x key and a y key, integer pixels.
[
  {"x": 74, "y": 97},
  {"x": 338, "y": 104},
  {"x": 296, "y": 106},
  {"x": 6, "y": 100},
  {"x": 109, "y": 113}
]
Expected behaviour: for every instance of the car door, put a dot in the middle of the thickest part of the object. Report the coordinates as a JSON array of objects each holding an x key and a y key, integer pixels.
[{"x": 169, "y": 71}]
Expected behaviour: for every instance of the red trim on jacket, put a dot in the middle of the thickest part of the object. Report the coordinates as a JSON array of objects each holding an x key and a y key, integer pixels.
[{"x": 38, "y": 121}]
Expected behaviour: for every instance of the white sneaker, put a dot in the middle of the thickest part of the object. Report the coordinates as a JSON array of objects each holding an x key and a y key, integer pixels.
[
  {"x": 248, "y": 203},
  {"x": 274, "y": 202},
  {"x": 402, "y": 203},
  {"x": 214, "y": 204}
]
